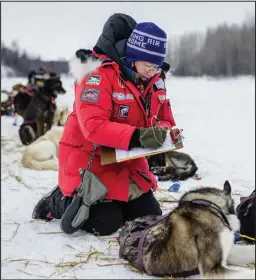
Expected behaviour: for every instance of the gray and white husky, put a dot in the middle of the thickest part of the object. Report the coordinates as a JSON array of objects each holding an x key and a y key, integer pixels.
[{"x": 197, "y": 234}]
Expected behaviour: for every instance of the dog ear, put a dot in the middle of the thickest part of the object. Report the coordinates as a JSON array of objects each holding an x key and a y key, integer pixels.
[{"x": 227, "y": 188}]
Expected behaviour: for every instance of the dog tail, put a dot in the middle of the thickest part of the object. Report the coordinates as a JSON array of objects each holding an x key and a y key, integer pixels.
[{"x": 49, "y": 164}]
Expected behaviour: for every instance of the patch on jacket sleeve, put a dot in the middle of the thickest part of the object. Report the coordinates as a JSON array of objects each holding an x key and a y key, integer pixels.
[
  {"x": 90, "y": 95},
  {"x": 160, "y": 84},
  {"x": 123, "y": 111},
  {"x": 93, "y": 80}
]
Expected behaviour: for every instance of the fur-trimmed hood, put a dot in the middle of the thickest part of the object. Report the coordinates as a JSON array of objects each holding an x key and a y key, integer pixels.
[{"x": 79, "y": 69}]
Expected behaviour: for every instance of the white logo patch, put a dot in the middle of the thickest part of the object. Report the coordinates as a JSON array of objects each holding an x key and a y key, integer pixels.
[
  {"x": 123, "y": 96},
  {"x": 93, "y": 80}
]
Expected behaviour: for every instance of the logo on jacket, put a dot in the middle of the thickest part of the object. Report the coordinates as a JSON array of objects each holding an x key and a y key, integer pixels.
[
  {"x": 123, "y": 111},
  {"x": 90, "y": 95},
  {"x": 93, "y": 80}
]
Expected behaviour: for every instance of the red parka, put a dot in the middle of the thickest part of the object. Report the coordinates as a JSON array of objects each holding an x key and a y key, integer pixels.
[{"x": 106, "y": 111}]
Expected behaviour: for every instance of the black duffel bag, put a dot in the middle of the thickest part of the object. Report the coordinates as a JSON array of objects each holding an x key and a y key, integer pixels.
[{"x": 246, "y": 214}]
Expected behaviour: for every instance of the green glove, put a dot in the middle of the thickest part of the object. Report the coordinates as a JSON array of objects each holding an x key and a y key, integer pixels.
[{"x": 153, "y": 137}]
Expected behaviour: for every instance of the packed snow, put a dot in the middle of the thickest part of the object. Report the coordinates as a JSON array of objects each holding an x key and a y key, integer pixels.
[{"x": 218, "y": 119}]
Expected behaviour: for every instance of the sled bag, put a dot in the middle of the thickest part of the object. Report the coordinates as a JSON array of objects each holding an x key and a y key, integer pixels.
[{"x": 246, "y": 214}]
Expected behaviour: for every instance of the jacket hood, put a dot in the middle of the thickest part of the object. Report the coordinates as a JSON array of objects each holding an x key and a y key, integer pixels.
[
  {"x": 111, "y": 42},
  {"x": 116, "y": 32}
]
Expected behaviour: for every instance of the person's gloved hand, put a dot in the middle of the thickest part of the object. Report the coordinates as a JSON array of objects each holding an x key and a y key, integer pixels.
[{"x": 152, "y": 137}]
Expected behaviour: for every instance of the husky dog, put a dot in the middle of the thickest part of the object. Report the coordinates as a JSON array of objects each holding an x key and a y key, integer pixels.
[
  {"x": 172, "y": 166},
  {"x": 42, "y": 154},
  {"x": 196, "y": 236}
]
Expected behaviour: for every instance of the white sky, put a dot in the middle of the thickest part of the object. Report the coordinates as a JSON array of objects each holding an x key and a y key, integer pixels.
[{"x": 57, "y": 29}]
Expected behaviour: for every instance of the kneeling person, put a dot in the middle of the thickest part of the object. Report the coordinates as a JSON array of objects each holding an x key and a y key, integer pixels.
[{"x": 121, "y": 104}]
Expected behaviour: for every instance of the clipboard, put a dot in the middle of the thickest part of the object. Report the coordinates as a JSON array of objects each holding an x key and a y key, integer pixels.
[{"x": 108, "y": 155}]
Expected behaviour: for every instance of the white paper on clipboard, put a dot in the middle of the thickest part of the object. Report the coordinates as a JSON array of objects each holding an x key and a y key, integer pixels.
[{"x": 122, "y": 155}]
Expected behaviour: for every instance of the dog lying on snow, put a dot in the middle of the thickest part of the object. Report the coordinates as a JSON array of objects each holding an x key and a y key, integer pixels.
[
  {"x": 172, "y": 166},
  {"x": 61, "y": 116},
  {"x": 43, "y": 153},
  {"x": 196, "y": 237}
]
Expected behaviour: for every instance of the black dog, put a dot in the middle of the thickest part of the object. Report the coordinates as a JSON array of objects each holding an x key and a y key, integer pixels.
[
  {"x": 172, "y": 166},
  {"x": 22, "y": 95},
  {"x": 38, "y": 117}
]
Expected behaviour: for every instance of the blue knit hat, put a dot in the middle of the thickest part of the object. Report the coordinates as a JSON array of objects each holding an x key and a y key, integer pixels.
[{"x": 146, "y": 43}]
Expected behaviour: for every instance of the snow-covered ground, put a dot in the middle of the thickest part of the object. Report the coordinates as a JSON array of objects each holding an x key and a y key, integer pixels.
[{"x": 219, "y": 128}]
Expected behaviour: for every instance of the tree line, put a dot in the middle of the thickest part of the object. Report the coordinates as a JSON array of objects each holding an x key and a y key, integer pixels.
[
  {"x": 22, "y": 62},
  {"x": 225, "y": 50}
]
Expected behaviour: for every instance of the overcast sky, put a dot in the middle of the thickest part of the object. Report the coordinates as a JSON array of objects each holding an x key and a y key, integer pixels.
[{"x": 56, "y": 30}]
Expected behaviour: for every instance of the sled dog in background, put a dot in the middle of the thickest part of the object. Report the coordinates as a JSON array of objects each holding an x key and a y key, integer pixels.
[{"x": 43, "y": 153}]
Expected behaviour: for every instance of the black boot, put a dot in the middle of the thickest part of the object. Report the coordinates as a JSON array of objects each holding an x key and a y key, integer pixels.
[{"x": 42, "y": 209}]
